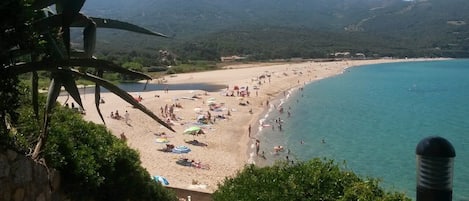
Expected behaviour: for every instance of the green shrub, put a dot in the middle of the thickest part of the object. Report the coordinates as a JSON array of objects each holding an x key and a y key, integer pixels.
[
  {"x": 94, "y": 164},
  {"x": 317, "y": 179}
]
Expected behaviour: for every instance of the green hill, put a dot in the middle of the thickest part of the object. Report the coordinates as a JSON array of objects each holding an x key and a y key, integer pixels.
[{"x": 267, "y": 29}]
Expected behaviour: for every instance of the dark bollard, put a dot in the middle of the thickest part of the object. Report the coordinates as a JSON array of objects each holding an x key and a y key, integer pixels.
[{"x": 435, "y": 159}]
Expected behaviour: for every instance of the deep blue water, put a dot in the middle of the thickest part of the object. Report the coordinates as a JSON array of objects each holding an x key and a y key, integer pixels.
[{"x": 373, "y": 117}]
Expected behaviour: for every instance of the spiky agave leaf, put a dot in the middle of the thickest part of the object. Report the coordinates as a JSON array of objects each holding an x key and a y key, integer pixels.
[
  {"x": 54, "y": 91},
  {"x": 121, "y": 93},
  {"x": 97, "y": 95},
  {"x": 46, "y": 24},
  {"x": 53, "y": 65},
  {"x": 145, "y": 86},
  {"x": 89, "y": 41},
  {"x": 69, "y": 10},
  {"x": 116, "y": 24},
  {"x": 70, "y": 86},
  {"x": 69, "y": 83},
  {"x": 89, "y": 38}
]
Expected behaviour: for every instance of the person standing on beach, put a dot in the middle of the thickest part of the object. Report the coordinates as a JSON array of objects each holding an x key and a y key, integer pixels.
[
  {"x": 249, "y": 130},
  {"x": 258, "y": 144},
  {"x": 126, "y": 117},
  {"x": 209, "y": 117},
  {"x": 123, "y": 137}
]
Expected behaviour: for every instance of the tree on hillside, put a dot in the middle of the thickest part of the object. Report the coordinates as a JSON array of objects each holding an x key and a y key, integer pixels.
[
  {"x": 320, "y": 180},
  {"x": 166, "y": 58}
]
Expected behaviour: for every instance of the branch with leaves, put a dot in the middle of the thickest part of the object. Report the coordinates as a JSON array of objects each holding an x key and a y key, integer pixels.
[{"x": 51, "y": 52}]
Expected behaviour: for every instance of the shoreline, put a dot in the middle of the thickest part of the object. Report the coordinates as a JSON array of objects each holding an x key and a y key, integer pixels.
[{"x": 229, "y": 146}]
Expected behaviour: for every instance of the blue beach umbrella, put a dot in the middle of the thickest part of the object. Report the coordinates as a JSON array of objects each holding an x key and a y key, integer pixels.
[
  {"x": 181, "y": 149},
  {"x": 161, "y": 179}
]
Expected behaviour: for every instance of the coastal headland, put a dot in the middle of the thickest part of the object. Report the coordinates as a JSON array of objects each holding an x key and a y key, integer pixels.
[{"x": 228, "y": 118}]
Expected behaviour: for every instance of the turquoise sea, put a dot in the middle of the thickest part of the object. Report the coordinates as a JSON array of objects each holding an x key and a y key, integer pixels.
[{"x": 372, "y": 117}]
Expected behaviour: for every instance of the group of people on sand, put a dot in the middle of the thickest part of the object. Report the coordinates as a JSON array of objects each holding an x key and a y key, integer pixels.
[
  {"x": 78, "y": 109},
  {"x": 277, "y": 149},
  {"x": 192, "y": 163},
  {"x": 168, "y": 112},
  {"x": 116, "y": 115},
  {"x": 242, "y": 92},
  {"x": 277, "y": 122},
  {"x": 138, "y": 98}
]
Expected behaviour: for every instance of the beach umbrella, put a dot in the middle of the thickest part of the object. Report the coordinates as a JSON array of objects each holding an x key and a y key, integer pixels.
[
  {"x": 181, "y": 149},
  {"x": 161, "y": 179},
  {"x": 192, "y": 130}
]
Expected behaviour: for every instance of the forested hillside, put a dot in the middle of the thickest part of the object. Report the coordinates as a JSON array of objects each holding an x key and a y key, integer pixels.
[{"x": 270, "y": 29}]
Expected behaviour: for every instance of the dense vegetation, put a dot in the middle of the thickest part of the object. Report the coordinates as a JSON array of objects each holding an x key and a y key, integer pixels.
[
  {"x": 94, "y": 164},
  {"x": 36, "y": 38},
  {"x": 276, "y": 29},
  {"x": 320, "y": 180}
]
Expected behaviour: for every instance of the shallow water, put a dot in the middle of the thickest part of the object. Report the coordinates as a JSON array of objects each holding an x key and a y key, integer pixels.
[
  {"x": 138, "y": 87},
  {"x": 373, "y": 117}
]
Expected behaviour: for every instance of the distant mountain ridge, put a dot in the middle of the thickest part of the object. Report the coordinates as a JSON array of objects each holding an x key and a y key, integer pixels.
[
  {"x": 329, "y": 14},
  {"x": 436, "y": 24}
]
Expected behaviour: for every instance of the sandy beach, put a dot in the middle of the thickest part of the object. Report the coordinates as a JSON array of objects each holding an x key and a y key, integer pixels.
[{"x": 226, "y": 145}]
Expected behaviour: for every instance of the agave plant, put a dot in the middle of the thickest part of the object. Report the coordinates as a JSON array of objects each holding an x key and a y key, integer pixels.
[{"x": 52, "y": 53}]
